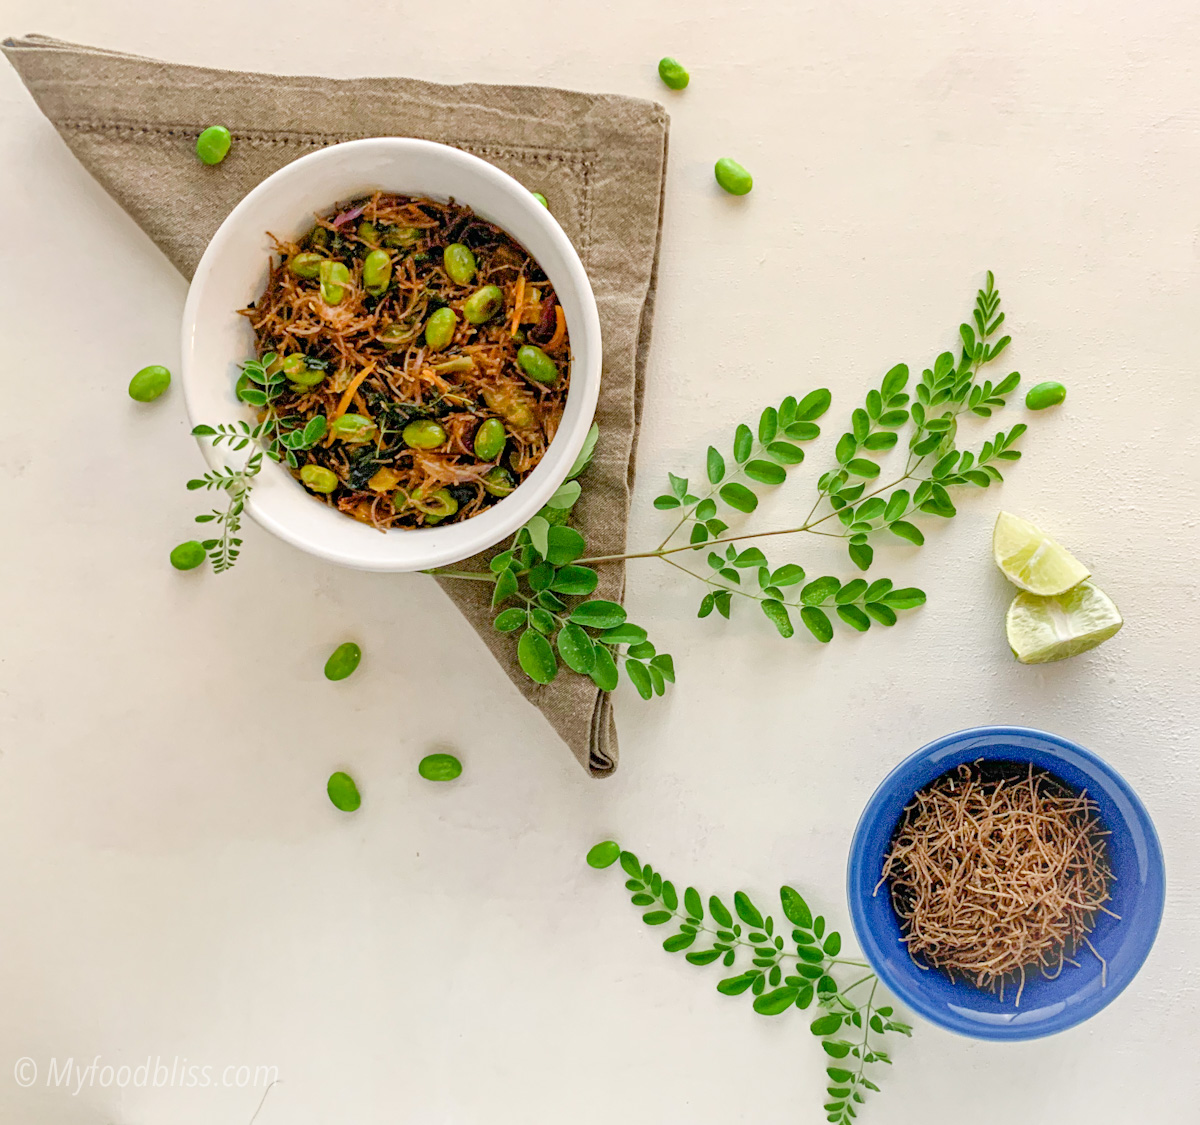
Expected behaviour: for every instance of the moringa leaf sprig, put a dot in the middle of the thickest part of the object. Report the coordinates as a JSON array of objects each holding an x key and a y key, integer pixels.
[{"x": 803, "y": 970}]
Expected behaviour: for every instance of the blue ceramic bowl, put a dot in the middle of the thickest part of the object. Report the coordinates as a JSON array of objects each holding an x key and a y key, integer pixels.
[{"x": 1047, "y": 1006}]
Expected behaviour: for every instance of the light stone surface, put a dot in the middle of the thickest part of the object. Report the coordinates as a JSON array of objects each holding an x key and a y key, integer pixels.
[{"x": 175, "y": 883}]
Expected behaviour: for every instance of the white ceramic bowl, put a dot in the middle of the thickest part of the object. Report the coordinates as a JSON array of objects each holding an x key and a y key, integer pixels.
[{"x": 233, "y": 272}]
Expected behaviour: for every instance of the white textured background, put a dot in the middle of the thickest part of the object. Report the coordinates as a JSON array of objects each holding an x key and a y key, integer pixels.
[{"x": 173, "y": 881}]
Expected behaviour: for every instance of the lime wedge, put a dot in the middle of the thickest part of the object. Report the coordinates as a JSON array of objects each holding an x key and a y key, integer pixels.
[
  {"x": 1044, "y": 629},
  {"x": 1032, "y": 560}
]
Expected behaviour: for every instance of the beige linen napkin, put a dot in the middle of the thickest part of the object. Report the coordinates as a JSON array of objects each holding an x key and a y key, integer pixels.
[{"x": 599, "y": 159}]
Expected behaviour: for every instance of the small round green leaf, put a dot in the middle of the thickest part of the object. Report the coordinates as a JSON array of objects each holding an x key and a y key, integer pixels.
[
  {"x": 536, "y": 657},
  {"x": 604, "y": 674},
  {"x": 576, "y": 648},
  {"x": 817, "y": 623},
  {"x": 739, "y": 496},
  {"x": 598, "y": 614}
]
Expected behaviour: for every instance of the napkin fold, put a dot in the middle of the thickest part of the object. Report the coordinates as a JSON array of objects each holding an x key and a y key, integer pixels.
[{"x": 599, "y": 159}]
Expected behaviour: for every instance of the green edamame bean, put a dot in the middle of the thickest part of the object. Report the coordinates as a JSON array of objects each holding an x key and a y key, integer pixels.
[
  {"x": 343, "y": 792},
  {"x": 459, "y": 263},
  {"x": 483, "y": 304},
  {"x": 400, "y": 236},
  {"x": 604, "y": 854},
  {"x": 439, "y": 767},
  {"x": 424, "y": 433},
  {"x": 307, "y": 377},
  {"x": 353, "y": 428},
  {"x": 490, "y": 439},
  {"x": 149, "y": 383},
  {"x": 212, "y": 146},
  {"x": 1044, "y": 395},
  {"x": 537, "y": 364},
  {"x": 541, "y": 199},
  {"x": 439, "y": 329},
  {"x": 342, "y": 661},
  {"x": 498, "y": 482},
  {"x": 732, "y": 176},
  {"x": 318, "y": 238},
  {"x": 377, "y": 272},
  {"x": 438, "y": 506},
  {"x": 319, "y": 479},
  {"x": 306, "y": 265},
  {"x": 334, "y": 277},
  {"x": 368, "y": 232},
  {"x": 187, "y": 556},
  {"x": 673, "y": 74}
]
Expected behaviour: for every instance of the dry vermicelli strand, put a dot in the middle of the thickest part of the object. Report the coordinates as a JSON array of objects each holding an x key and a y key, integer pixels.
[
  {"x": 377, "y": 364},
  {"x": 997, "y": 869}
]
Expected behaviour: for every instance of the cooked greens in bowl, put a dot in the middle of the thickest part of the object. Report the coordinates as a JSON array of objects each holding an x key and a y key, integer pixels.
[{"x": 413, "y": 361}]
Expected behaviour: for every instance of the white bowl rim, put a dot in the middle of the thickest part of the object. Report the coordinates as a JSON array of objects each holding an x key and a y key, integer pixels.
[{"x": 419, "y": 549}]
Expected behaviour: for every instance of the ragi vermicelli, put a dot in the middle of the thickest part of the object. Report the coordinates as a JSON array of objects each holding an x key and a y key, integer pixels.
[
  {"x": 996, "y": 869},
  {"x": 433, "y": 346}
]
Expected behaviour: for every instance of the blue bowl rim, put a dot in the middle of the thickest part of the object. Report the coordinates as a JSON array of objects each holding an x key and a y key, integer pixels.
[{"x": 900, "y": 986}]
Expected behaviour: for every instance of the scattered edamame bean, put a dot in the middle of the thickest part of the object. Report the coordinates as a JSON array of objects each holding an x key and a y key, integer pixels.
[
  {"x": 187, "y": 556},
  {"x": 537, "y": 364},
  {"x": 673, "y": 74},
  {"x": 498, "y": 482},
  {"x": 490, "y": 439},
  {"x": 439, "y": 329},
  {"x": 353, "y": 428},
  {"x": 368, "y": 232},
  {"x": 483, "y": 304},
  {"x": 342, "y": 661},
  {"x": 459, "y": 263},
  {"x": 307, "y": 377},
  {"x": 424, "y": 433},
  {"x": 306, "y": 265},
  {"x": 1044, "y": 395},
  {"x": 541, "y": 199},
  {"x": 438, "y": 506},
  {"x": 334, "y": 276},
  {"x": 439, "y": 767},
  {"x": 149, "y": 383},
  {"x": 604, "y": 854},
  {"x": 212, "y": 146},
  {"x": 732, "y": 176},
  {"x": 318, "y": 478},
  {"x": 377, "y": 272},
  {"x": 343, "y": 792},
  {"x": 318, "y": 238}
]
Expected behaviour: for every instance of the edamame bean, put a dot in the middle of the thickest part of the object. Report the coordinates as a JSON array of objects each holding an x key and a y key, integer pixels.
[
  {"x": 187, "y": 556},
  {"x": 368, "y": 232},
  {"x": 306, "y": 265},
  {"x": 537, "y": 365},
  {"x": 511, "y": 407},
  {"x": 438, "y": 506},
  {"x": 483, "y": 304},
  {"x": 318, "y": 238},
  {"x": 212, "y": 146},
  {"x": 149, "y": 383},
  {"x": 490, "y": 439},
  {"x": 292, "y": 365},
  {"x": 307, "y": 377},
  {"x": 604, "y": 854},
  {"x": 334, "y": 276},
  {"x": 424, "y": 433},
  {"x": 673, "y": 74},
  {"x": 439, "y": 767},
  {"x": 400, "y": 236},
  {"x": 319, "y": 479},
  {"x": 353, "y": 428},
  {"x": 498, "y": 482},
  {"x": 342, "y": 661},
  {"x": 343, "y": 792},
  {"x": 439, "y": 329},
  {"x": 732, "y": 176},
  {"x": 541, "y": 199},
  {"x": 394, "y": 335},
  {"x": 377, "y": 272},
  {"x": 1044, "y": 395},
  {"x": 459, "y": 263}
]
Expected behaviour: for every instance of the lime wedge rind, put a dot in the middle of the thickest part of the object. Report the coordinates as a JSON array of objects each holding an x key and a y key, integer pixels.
[
  {"x": 1031, "y": 560},
  {"x": 1045, "y": 629}
]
